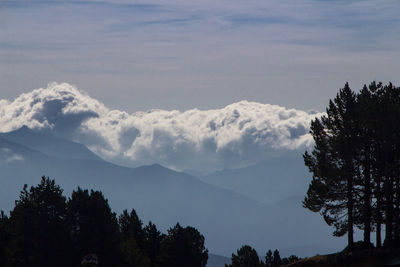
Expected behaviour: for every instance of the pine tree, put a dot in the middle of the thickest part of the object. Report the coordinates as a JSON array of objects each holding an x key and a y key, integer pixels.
[
  {"x": 277, "y": 261},
  {"x": 132, "y": 239},
  {"x": 246, "y": 257},
  {"x": 93, "y": 227},
  {"x": 153, "y": 239},
  {"x": 38, "y": 221},
  {"x": 269, "y": 259},
  {"x": 183, "y": 246},
  {"x": 333, "y": 164}
]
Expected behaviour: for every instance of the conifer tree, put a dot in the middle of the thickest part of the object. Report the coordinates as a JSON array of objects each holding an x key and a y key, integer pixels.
[
  {"x": 269, "y": 259},
  {"x": 38, "y": 222},
  {"x": 93, "y": 227},
  {"x": 132, "y": 239},
  {"x": 333, "y": 164},
  {"x": 182, "y": 247},
  {"x": 246, "y": 257},
  {"x": 153, "y": 239}
]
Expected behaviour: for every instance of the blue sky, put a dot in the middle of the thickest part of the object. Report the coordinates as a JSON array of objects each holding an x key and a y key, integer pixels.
[{"x": 184, "y": 54}]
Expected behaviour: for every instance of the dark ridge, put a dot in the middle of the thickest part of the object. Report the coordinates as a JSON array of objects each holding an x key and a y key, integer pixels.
[{"x": 374, "y": 257}]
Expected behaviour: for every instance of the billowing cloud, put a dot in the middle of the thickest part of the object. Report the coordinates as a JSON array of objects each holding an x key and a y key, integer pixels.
[{"x": 236, "y": 135}]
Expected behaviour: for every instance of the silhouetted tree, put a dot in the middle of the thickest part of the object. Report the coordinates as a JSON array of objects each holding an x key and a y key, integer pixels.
[
  {"x": 93, "y": 227},
  {"x": 371, "y": 160},
  {"x": 274, "y": 259},
  {"x": 133, "y": 240},
  {"x": 131, "y": 227},
  {"x": 269, "y": 259},
  {"x": 365, "y": 101},
  {"x": 183, "y": 247},
  {"x": 277, "y": 261},
  {"x": 390, "y": 138},
  {"x": 38, "y": 222},
  {"x": 5, "y": 239},
  {"x": 333, "y": 164},
  {"x": 290, "y": 259},
  {"x": 153, "y": 239},
  {"x": 246, "y": 257},
  {"x": 356, "y": 163},
  {"x": 132, "y": 254}
]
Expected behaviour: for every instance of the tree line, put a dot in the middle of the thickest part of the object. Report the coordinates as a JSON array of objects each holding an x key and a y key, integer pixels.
[
  {"x": 47, "y": 229},
  {"x": 247, "y": 256},
  {"x": 355, "y": 164}
]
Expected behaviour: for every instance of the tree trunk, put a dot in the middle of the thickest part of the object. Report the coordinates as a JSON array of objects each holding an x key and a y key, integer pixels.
[
  {"x": 367, "y": 201},
  {"x": 378, "y": 213},
  {"x": 378, "y": 235},
  {"x": 350, "y": 219},
  {"x": 396, "y": 212},
  {"x": 388, "y": 209}
]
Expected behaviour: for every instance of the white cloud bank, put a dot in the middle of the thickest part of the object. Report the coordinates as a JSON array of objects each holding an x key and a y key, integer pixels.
[{"x": 236, "y": 135}]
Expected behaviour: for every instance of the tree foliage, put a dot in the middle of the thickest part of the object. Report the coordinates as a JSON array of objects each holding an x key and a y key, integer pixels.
[
  {"x": 93, "y": 226},
  {"x": 38, "y": 226},
  {"x": 246, "y": 257},
  {"x": 183, "y": 246},
  {"x": 153, "y": 240},
  {"x": 355, "y": 163},
  {"x": 332, "y": 163}
]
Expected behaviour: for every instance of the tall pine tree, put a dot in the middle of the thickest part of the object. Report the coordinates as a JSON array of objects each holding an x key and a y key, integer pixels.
[{"x": 333, "y": 164}]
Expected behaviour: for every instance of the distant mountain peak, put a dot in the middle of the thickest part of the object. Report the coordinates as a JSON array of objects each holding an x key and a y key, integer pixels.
[
  {"x": 155, "y": 167},
  {"x": 24, "y": 128},
  {"x": 49, "y": 144}
]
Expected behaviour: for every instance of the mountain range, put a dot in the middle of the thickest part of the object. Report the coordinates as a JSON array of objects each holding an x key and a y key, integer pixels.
[
  {"x": 268, "y": 181},
  {"x": 228, "y": 216}
]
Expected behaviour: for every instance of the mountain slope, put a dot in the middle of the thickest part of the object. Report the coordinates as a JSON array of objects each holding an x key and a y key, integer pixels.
[
  {"x": 217, "y": 260},
  {"x": 49, "y": 145},
  {"x": 268, "y": 181},
  {"x": 227, "y": 219}
]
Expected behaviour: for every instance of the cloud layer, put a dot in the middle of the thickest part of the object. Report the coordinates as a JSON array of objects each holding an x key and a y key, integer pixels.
[{"x": 202, "y": 140}]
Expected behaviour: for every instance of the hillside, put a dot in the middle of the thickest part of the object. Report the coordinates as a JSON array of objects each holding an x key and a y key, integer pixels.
[
  {"x": 268, "y": 181},
  {"x": 363, "y": 258}
]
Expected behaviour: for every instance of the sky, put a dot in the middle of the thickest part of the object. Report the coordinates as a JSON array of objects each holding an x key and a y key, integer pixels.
[{"x": 180, "y": 55}]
